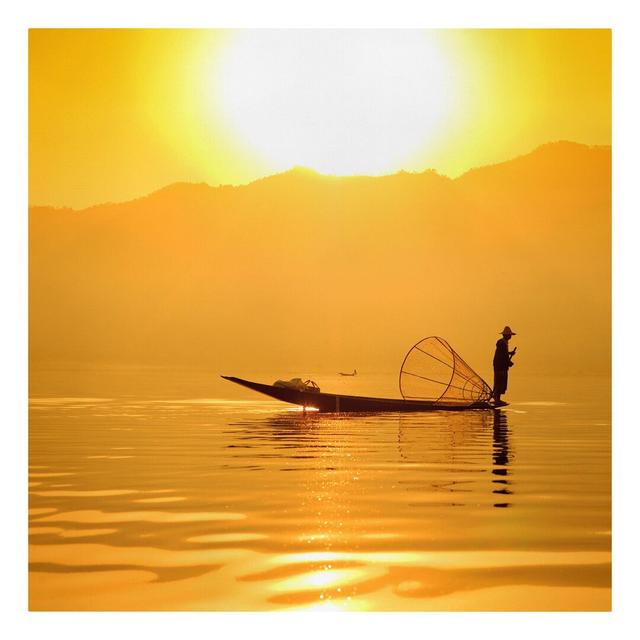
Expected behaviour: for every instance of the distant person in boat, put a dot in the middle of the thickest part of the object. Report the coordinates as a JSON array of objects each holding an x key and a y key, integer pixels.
[
  {"x": 501, "y": 364},
  {"x": 355, "y": 373}
]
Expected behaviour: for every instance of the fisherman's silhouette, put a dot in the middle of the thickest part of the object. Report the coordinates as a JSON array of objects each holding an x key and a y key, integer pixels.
[{"x": 501, "y": 364}]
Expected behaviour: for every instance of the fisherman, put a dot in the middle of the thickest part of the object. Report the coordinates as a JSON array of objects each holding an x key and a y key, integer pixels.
[{"x": 501, "y": 364}]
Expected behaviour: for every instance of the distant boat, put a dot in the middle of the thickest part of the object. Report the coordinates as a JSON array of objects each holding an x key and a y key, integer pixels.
[
  {"x": 355, "y": 373},
  {"x": 433, "y": 377}
]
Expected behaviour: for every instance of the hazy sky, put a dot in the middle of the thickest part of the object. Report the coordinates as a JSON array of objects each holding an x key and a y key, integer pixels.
[{"x": 115, "y": 114}]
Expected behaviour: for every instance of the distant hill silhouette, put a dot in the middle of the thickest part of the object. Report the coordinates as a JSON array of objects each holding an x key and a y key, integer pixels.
[{"x": 304, "y": 271}]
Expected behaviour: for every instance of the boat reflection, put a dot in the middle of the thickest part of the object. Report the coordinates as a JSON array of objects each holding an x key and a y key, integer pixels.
[
  {"x": 454, "y": 452},
  {"x": 441, "y": 437}
]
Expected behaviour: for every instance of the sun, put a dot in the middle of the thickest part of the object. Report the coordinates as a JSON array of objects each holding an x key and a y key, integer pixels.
[{"x": 341, "y": 102}]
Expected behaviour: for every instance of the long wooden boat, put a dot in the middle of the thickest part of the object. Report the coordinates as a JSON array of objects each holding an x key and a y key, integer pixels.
[{"x": 335, "y": 403}]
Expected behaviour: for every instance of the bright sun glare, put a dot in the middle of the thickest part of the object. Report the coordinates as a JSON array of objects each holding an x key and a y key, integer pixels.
[{"x": 339, "y": 102}]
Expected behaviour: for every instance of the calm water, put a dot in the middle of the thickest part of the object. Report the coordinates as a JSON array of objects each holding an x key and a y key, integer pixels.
[{"x": 193, "y": 494}]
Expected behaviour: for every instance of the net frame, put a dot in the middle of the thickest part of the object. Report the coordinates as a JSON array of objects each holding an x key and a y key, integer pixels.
[{"x": 469, "y": 387}]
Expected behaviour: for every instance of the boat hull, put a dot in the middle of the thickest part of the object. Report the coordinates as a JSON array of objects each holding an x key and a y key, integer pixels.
[{"x": 334, "y": 403}]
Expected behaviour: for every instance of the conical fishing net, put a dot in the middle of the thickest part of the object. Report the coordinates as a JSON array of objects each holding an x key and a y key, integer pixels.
[{"x": 433, "y": 371}]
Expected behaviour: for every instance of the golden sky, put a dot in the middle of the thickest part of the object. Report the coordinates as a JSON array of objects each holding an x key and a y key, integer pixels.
[{"x": 115, "y": 114}]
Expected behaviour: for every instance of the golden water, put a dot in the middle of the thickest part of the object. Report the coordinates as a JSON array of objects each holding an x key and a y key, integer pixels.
[{"x": 157, "y": 491}]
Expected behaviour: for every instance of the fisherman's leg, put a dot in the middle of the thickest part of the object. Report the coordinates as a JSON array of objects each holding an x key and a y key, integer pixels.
[{"x": 499, "y": 384}]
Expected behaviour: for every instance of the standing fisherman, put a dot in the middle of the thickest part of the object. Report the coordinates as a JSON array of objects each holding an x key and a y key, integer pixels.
[{"x": 501, "y": 364}]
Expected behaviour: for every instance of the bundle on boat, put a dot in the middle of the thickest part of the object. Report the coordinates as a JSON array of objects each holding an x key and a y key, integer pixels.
[
  {"x": 298, "y": 384},
  {"x": 432, "y": 371}
]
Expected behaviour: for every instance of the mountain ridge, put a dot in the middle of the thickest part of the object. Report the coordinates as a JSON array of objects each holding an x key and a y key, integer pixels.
[
  {"x": 307, "y": 272},
  {"x": 300, "y": 173}
]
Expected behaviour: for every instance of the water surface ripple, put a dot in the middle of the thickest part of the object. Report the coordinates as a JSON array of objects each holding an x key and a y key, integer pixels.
[{"x": 246, "y": 505}]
